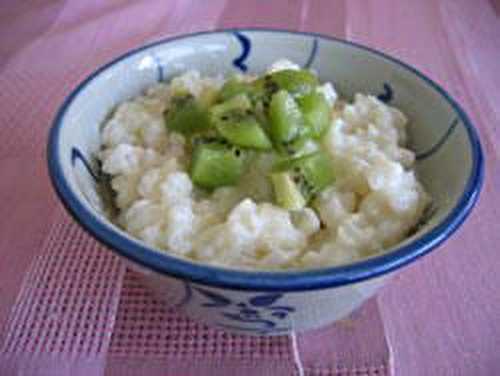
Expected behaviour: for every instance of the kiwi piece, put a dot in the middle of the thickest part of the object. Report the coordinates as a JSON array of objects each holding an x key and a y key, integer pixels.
[
  {"x": 316, "y": 112},
  {"x": 215, "y": 164},
  {"x": 263, "y": 90},
  {"x": 235, "y": 121},
  {"x": 186, "y": 115},
  {"x": 285, "y": 118},
  {"x": 303, "y": 144},
  {"x": 208, "y": 96},
  {"x": 234, "y": 87},
  {"x": 243, "y": 131},
  {"x": 312, "y": 172},
  {"x": 240, "y": 102},
  {"x": 260, "y": 112},
  {"x": 286, "y": 193},
  {"x": 296, "y": 82}
]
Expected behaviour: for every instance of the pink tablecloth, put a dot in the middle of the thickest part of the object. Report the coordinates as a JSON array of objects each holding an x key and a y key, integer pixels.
[{"x": 441, "y": 316}]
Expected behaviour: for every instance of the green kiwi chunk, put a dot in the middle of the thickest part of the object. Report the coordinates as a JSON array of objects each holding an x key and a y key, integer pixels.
[
  {"x": 234, "y": 87},
  {"x": 237, "y": 123},
  {"x": 186, "y": 115},
  {"x": 316, "y": 112},
  {"x": 240, "y": 102},
  {"x": 216, "y": 164},
  {"x": 243, "y": 131},
  {"x": 296, "y": 82},
  {"x": 311, "y": 173},
  {"x": 286, "y": 193},
  {"x": 303, "y": 144},
  {"x": 285, "y": 118}
]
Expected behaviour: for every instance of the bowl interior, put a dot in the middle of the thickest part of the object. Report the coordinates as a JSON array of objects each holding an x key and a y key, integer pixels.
[{"x": 448, "y": 153}]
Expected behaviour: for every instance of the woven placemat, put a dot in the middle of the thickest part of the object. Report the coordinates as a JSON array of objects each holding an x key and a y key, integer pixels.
[{"x": 81, "y": 308}]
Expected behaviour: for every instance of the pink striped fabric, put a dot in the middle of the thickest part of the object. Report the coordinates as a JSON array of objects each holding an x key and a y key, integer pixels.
[{"x": 79, "y": 309}]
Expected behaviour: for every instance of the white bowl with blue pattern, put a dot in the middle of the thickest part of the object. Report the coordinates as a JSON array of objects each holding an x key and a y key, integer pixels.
[{"x": 449, "y": 163}]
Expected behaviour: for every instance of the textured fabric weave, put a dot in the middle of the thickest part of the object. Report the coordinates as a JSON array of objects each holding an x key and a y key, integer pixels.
[{"x": 78, "y": 301}]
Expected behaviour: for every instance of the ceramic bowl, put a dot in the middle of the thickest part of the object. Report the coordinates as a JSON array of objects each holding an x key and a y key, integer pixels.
[{"x": 449, "y": 163}]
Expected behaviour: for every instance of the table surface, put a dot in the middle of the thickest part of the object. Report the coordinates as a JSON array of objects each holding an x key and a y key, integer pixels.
[{"x": 442, "y": 314}]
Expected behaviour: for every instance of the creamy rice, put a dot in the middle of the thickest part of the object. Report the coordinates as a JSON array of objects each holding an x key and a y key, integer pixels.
[{"x": 374, "y": 202}]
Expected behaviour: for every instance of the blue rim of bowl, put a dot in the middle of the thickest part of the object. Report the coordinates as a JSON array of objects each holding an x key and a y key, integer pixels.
[{"x": 266, "y": 280}]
